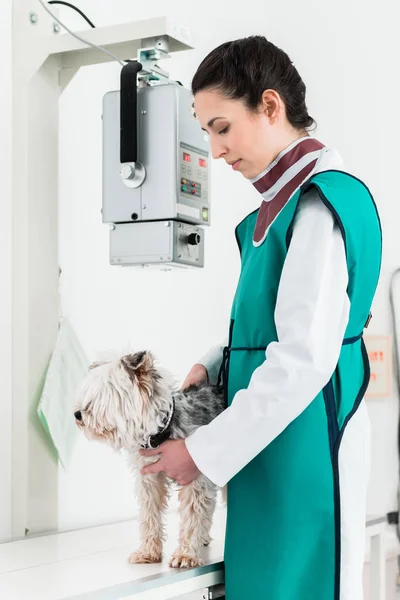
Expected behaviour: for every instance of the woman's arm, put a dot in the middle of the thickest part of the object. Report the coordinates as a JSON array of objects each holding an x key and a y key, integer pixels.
[{"x": 311, "y": 316}]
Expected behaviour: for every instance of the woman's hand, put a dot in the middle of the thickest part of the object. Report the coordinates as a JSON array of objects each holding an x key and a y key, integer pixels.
[
  {"x": 175, "y": 461},
  {"x": 197, "y": 376}
]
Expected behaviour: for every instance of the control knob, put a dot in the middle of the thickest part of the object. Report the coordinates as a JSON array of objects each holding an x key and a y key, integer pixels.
[{"x": 194, "y": 239}]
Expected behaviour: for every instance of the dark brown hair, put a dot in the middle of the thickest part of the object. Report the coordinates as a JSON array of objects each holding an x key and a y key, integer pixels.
[{"x": 243, "y": 69}]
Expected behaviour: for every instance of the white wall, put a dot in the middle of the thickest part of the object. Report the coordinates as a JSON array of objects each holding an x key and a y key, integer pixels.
[
  {"x": 5, "y": 269},
  {"x": 347, "y": 54}
]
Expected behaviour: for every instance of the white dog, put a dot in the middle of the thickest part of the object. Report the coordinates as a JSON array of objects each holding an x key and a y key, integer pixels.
[{"x": 131, "y": 403}]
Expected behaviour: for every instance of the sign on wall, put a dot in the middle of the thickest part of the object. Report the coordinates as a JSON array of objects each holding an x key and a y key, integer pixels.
[{"x": 380, "y": 355}]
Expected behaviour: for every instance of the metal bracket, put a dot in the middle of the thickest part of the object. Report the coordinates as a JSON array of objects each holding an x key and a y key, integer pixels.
[
  {"x": 216, "y": 592},
  {"x": 156, "y": 49}
]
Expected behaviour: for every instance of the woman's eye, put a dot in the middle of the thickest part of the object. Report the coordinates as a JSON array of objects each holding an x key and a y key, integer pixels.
[{"x": 225, "y": 130}]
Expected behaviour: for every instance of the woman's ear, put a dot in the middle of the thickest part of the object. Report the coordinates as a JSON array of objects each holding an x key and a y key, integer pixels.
[{"x": 271, "y": 105}]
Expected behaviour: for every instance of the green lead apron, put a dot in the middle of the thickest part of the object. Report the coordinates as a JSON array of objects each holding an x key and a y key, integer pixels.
[{"x": 283, "y": 522}]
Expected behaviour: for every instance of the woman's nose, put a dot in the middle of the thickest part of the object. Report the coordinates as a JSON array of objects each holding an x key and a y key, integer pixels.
[{"x": 217, "y": 149}]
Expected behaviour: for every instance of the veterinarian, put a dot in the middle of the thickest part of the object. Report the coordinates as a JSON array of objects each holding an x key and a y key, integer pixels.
[{"x": 293, "y": 444}]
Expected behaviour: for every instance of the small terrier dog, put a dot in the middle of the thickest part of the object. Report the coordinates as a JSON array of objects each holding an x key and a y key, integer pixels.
[{"x": 132, "y": 403}]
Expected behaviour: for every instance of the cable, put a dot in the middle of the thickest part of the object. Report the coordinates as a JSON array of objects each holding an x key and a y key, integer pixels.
[
  {"x": 122, "y": 63},
  {"x": 78, "y": 10}
]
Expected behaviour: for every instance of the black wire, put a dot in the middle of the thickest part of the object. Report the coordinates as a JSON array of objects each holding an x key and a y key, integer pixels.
[{"x": 74, "y": 8}]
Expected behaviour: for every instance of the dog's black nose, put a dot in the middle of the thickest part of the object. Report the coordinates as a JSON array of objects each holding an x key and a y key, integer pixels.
[{"x": 78, "y": 415}]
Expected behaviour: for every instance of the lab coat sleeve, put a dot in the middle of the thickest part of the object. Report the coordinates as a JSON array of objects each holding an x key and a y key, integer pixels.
[
  {"x": 311, "y": 316},
  {"x": 212, "y": 361}
]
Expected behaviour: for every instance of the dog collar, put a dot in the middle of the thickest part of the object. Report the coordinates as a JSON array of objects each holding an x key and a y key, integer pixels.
[{"x": 154, "y": 440}]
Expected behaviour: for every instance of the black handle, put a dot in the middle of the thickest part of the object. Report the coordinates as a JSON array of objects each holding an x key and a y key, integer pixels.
[{"x": 128, "y": 112}]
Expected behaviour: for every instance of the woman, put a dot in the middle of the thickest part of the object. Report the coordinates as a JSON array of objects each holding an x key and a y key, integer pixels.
[{"x": 293, "y": 443}]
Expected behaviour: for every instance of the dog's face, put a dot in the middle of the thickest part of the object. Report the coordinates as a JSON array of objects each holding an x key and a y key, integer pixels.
[{"x": 114, "y": 401}]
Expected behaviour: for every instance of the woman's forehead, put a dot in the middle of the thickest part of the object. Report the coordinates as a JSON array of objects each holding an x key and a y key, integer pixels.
[{"x": 212, "y": 104}]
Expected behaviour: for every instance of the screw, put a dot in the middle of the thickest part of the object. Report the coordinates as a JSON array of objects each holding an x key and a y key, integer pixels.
[
  {"x": 112, "y": 227},
  {"x": 127, "y": 172},
  {"x": 144, "y": 207},
  {"x": 144, "y": 112},
  {"x": 33, "y": 18},
  {"x": 166, "y": 224},
  {"x": 179, "y": 255},
  {"x": 56, "y": 28}
]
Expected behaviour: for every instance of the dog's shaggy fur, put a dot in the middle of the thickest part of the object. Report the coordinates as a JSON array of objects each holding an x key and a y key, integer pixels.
[{"x": 125, "y": 401}]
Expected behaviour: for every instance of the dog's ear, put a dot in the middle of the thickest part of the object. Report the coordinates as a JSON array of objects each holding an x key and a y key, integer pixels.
[
  {"x": 137, "y": 364},
  {"x": 141, "y": 371}
]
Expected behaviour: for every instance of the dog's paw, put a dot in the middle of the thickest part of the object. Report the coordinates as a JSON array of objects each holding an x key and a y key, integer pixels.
[
  {"x": 145, "y": 556},
  {"x": 184, "y": 560}
]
